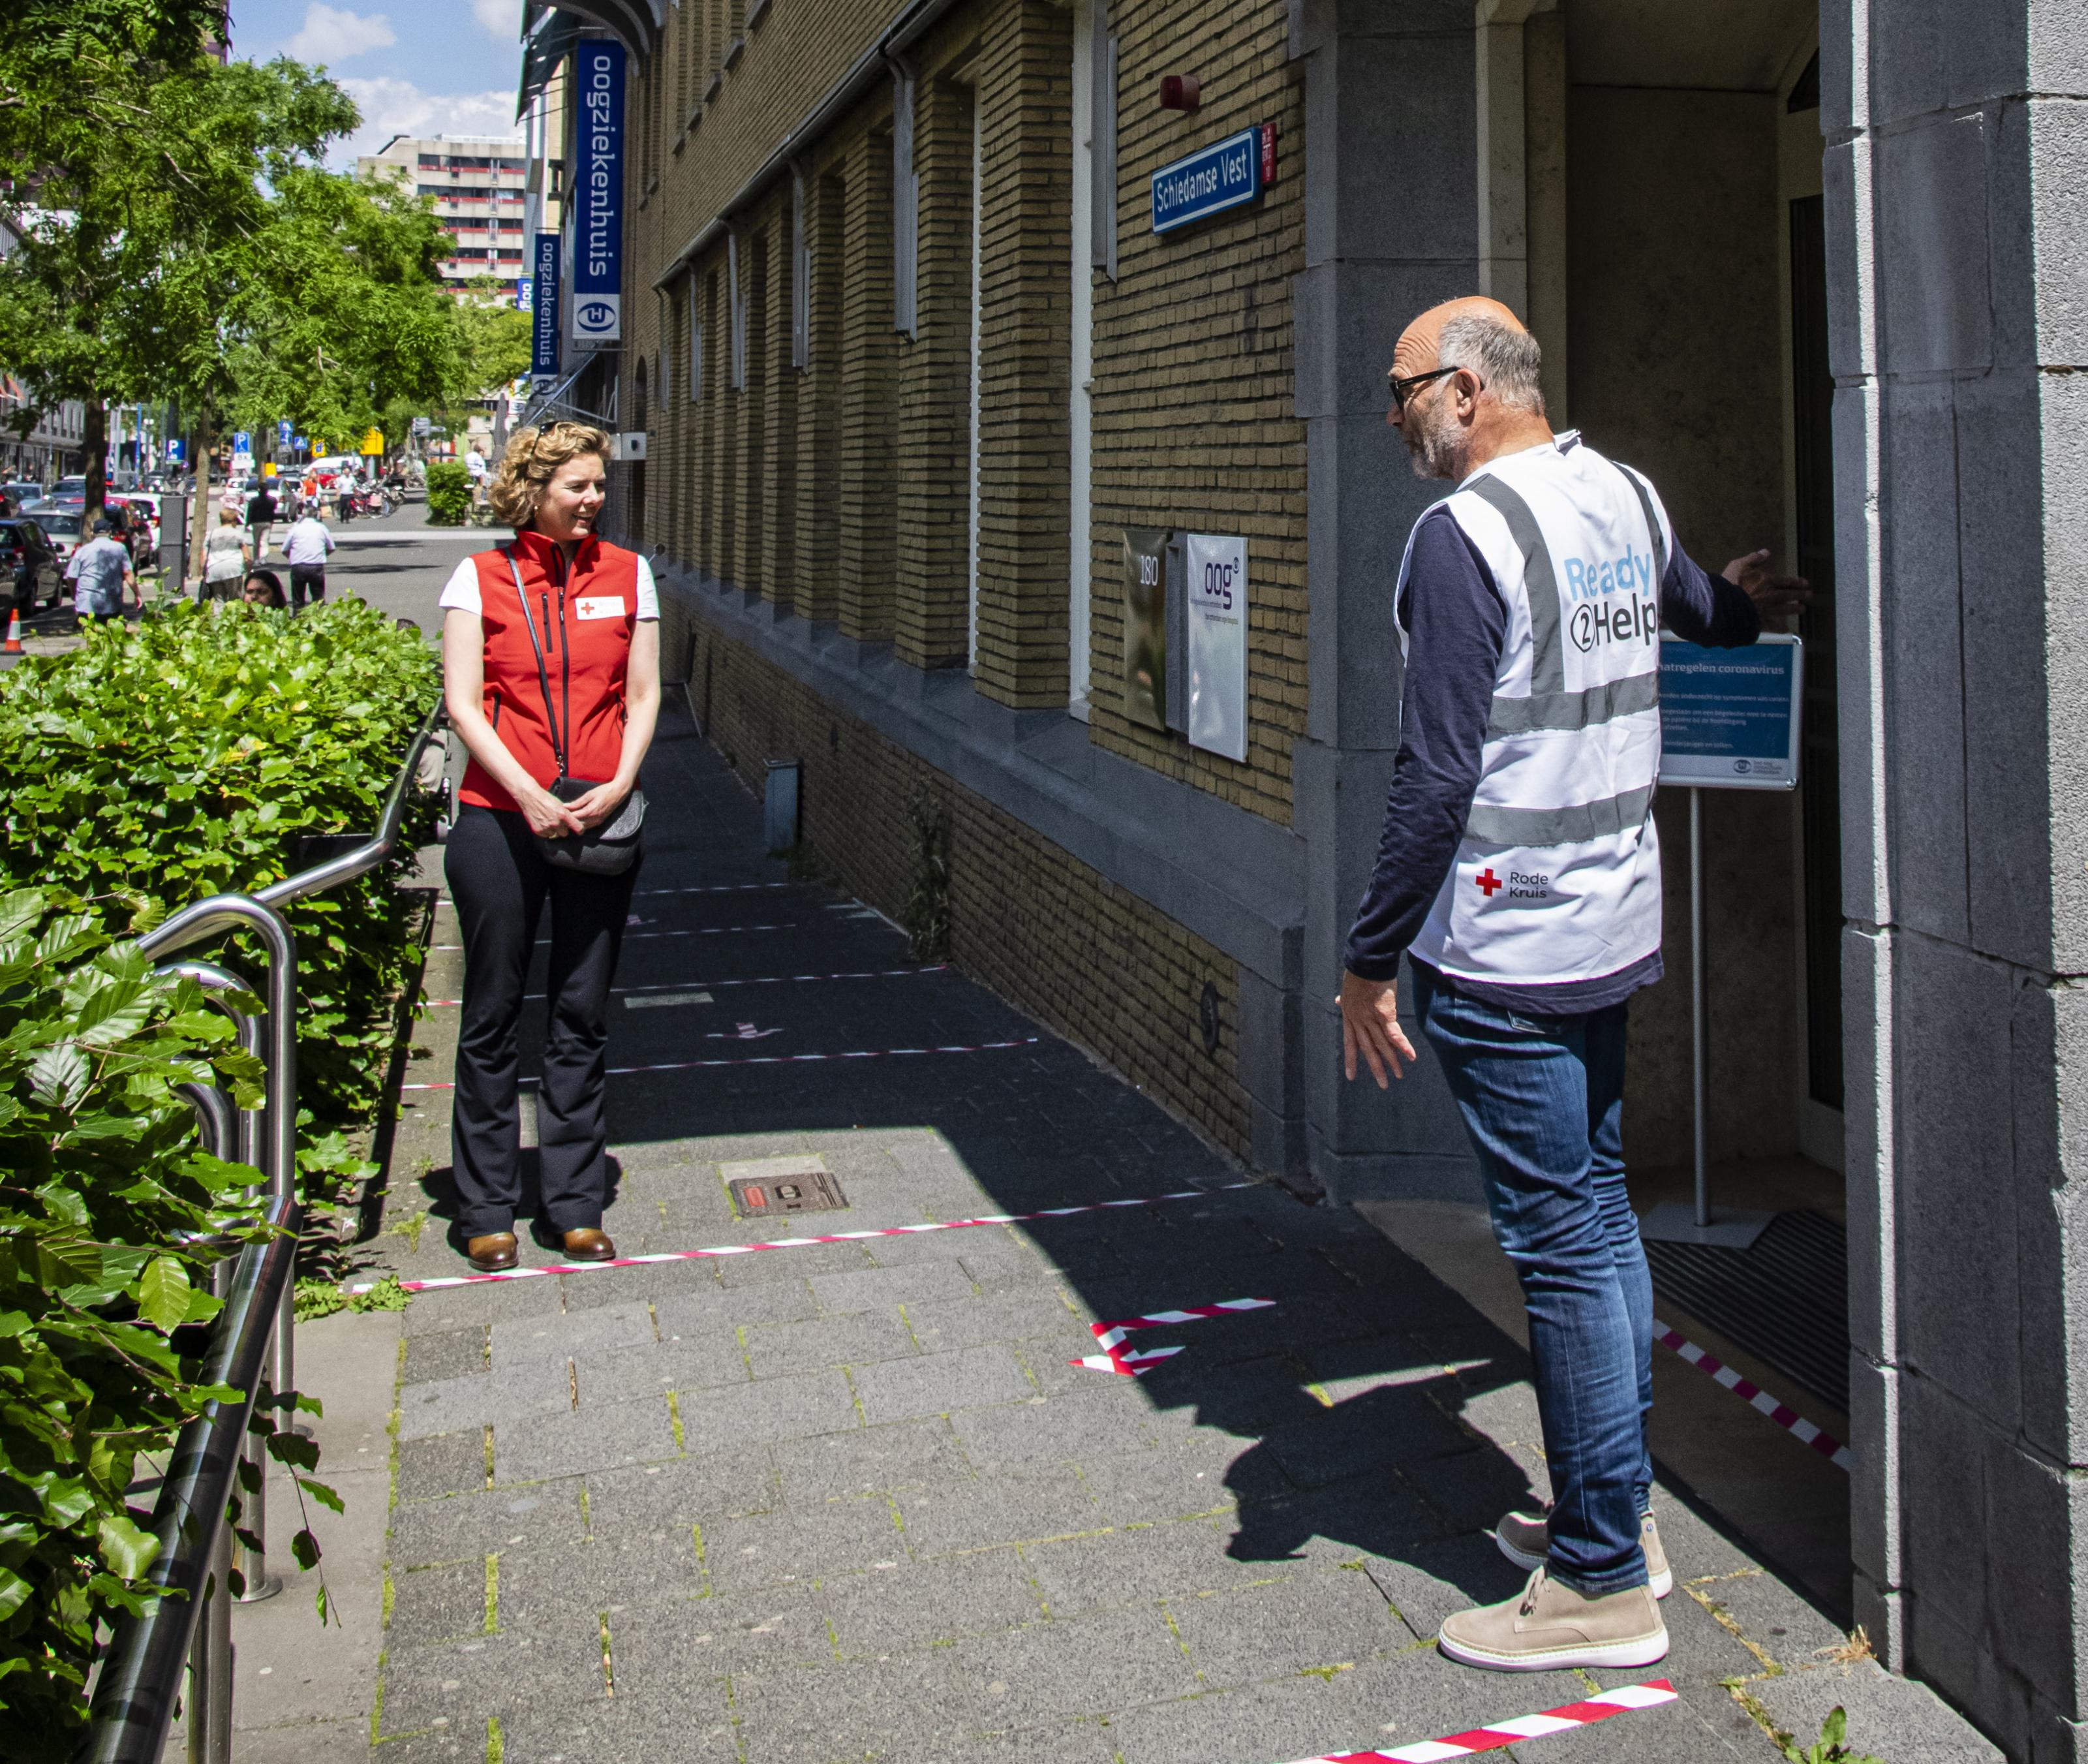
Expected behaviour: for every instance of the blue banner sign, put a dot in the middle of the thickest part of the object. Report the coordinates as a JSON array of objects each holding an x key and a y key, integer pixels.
[
  {"x": 598, "y": 192},
  {"x": 1224, "y": 175},
  {"x": 543, "y": 307},
  {"x": 1729, "y": 718}
]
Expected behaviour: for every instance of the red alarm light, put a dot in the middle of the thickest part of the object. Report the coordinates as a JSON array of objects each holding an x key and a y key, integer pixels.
[{"x": 1179, "y": 92}]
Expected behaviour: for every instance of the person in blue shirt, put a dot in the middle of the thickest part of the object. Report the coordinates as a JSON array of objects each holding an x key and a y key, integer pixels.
[
  {"x": 100, "y": 570},
  {"x": 1518, "y": 876}
]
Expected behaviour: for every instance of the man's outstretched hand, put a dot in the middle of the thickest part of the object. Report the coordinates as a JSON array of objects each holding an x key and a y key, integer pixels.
[
  {"x": 1775, "y": 597},
  {"x": 1370, "y": 1025}
]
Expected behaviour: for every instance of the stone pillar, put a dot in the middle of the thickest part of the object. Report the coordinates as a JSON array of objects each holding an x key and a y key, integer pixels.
[
  {"x": 1391, "y": 227},
  {"x": 1958, "y": 252}
]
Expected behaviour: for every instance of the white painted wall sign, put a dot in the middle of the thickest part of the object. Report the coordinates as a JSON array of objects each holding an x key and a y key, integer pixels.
[{"x": 1215, "y": 569}]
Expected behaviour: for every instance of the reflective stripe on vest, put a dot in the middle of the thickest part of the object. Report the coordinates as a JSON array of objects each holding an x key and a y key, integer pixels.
[{"x": 1557, "y": 876}]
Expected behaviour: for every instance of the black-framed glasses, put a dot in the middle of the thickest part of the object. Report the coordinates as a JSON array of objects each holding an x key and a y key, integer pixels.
[{"x": 1402, "y": 388}]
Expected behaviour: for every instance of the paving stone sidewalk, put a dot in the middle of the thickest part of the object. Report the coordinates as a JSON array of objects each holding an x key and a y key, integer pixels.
[{"x": 852, "y": 1501}]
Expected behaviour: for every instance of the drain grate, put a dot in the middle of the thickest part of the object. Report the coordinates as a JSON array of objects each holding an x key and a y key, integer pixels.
[
  {"x": 1785, "y": 1300},
  {"x": 803, "y": 1190}
]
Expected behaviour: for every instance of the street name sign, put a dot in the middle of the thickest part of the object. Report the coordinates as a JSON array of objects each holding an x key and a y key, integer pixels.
[
  {"x": 1227, "y": 174},
  {"x": 1729, "y": 718}
]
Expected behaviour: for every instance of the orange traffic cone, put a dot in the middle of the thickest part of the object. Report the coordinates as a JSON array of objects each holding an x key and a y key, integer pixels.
[{"x": 13, "y": 645}]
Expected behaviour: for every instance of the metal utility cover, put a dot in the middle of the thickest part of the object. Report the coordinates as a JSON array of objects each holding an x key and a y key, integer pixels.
[{"x": 811, "y": 1190}]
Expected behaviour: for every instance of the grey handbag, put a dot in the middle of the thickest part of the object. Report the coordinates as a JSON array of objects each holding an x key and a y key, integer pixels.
[{"x": 612, "y": 847}]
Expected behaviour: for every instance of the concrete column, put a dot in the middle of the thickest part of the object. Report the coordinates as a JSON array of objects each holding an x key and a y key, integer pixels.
[
  {"x": 1958, "y": 250},
  {"x": 1499, "y": 109},
  {"x": 1392, "y": 226}
]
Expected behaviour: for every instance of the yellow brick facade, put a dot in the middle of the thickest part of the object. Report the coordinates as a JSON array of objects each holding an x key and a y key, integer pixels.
[{"x": 840, "y": 490}]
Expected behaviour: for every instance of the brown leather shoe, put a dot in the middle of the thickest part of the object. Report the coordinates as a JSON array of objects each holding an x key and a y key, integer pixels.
[
  {"x": 491, "y": 1253},
  {"x": 586, "y": 1245}
]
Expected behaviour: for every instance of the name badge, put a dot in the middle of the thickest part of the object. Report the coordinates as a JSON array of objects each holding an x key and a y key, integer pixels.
[{"x": 600, "y": 605}]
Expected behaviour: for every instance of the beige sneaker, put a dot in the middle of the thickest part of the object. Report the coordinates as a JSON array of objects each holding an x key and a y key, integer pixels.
[
  {"x": 1525, "y": 1539},
  {"x": 1548, "y": 1625}
]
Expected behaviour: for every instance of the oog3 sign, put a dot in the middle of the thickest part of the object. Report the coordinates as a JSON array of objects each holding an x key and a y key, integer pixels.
[{"x": 1215, "y": 568}]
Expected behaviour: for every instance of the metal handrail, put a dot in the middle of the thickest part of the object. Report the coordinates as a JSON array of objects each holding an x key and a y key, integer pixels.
[
  {"x": 134, "y": 1696},
  {"x": 373, "y": 851},
  {"x": 141, "y": 1680}
]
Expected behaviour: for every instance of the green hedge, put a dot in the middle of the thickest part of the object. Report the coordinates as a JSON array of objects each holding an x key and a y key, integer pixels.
[
  {"x": 102, "y": 1175},
  {"x": 449, "y": 494},
  {"x": 189, "y": 754},
  {"x": 154, "y": 764}
]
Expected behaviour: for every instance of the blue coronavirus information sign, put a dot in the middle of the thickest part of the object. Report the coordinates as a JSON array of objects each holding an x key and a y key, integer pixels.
[
  {"x": 1222, "y": 176},
  {"x": 598, "y": 192},
  {"x": 543, "y": 307},
  {"x": 1729, "y": 718}
]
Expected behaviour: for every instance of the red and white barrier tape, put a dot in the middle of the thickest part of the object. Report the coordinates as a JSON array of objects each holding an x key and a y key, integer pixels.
[
  {"x": 1495, "y": 1735},
  {"x": 779, "y": 1059},
  {"x": 1792, "y": 1423},
  {"x": 758, "y": 979},
  {"x": 799, "y": 1242},
  {"x": 1135, "y": 1363}
]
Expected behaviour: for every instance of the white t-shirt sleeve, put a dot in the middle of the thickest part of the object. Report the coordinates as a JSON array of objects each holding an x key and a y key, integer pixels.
[
  {"x": 648, "y": 592},
  {"x": 460, "y": 591}
]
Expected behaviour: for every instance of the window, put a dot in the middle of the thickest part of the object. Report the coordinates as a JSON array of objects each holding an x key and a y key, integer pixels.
[
  {"x": 905, "y": 207},
  {"x": 695, "y": 350}
]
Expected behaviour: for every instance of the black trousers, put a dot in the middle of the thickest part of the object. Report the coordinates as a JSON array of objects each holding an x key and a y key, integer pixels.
[
  {"x": 307, "y": 581},
  {"x": 500, "y": 883}
]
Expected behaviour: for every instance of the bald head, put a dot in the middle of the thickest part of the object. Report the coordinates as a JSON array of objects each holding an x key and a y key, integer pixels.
[
  {"x": 1419, "y": 343},
  {"x": 1473, "y": 390}
]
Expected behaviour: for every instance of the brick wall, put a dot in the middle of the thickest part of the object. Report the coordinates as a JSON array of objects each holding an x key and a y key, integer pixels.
[
  {"x": 1040, "y": 927},
  {"x": 841, "y": 490}
]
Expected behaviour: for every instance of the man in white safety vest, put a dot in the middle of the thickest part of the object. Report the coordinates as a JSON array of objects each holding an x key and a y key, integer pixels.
[{"x": 1519, "y": 874}]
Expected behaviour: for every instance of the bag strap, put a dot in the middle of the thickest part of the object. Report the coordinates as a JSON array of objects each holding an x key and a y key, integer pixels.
[{"x": 543, "y": 677}]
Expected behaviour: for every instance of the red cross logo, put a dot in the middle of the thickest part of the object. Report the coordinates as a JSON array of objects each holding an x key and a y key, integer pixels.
[{"x": 1488, "y": 881}]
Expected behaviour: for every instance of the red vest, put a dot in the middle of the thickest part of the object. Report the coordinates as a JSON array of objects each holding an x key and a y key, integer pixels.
[{"x": 584, "y": 614}]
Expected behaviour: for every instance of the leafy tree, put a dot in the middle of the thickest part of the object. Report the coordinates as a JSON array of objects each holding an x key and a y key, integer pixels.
[{"x": 202, "y": 253}]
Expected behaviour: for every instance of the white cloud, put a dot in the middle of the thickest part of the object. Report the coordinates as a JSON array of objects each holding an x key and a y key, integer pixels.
[
  {"x": 332, "y": 34},
  {"x": 391, "y": 106},
  {"x": 500, "y": 19}
]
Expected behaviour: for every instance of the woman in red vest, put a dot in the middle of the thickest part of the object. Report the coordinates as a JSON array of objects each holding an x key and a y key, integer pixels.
[{"x": 551, "y": 672}]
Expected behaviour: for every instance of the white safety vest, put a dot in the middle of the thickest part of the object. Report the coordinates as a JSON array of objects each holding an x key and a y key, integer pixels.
[{"x": 1558, "y": 875}]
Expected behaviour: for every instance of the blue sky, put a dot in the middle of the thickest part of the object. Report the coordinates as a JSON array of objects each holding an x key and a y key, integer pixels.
[{"x": 413, "y": 66}]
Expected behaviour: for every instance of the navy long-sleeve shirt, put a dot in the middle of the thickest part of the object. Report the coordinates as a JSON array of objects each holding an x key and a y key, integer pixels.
[{"x": 1456, "y": 621}]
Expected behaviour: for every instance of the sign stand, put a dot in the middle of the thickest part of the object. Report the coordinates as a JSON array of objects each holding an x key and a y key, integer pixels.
[{"x": 1730, "y": 720}]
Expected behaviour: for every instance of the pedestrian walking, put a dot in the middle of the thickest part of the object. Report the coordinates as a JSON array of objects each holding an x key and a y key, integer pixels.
[
  {"x": 226, "y": 555},
  {"x": 551, "y": 672},
  {"x": 100, "y": 570},
  {"x": 305, "y": 548},
  {"x": 1519, "y": 874},
  {"x": 260, "y": 515}
]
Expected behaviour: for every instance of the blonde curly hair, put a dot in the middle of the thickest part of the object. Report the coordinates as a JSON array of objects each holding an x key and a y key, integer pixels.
[{"x": 533, "y": 456}]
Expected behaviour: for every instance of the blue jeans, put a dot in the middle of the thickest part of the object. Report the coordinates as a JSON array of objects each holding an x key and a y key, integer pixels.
[{"x": 1543, "y": 1099}]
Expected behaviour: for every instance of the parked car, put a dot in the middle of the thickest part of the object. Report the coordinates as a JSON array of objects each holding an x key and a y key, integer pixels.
[
  {"x": 61, "y": 526},
  {"x": 20, "y": 492},
  {"x": 31, "y": 561}
]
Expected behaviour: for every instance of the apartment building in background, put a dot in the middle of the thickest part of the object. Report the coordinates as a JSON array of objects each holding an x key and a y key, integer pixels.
[
  {"x": 1000, "y": 389},
  {"x": 477, "y": 185}
]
